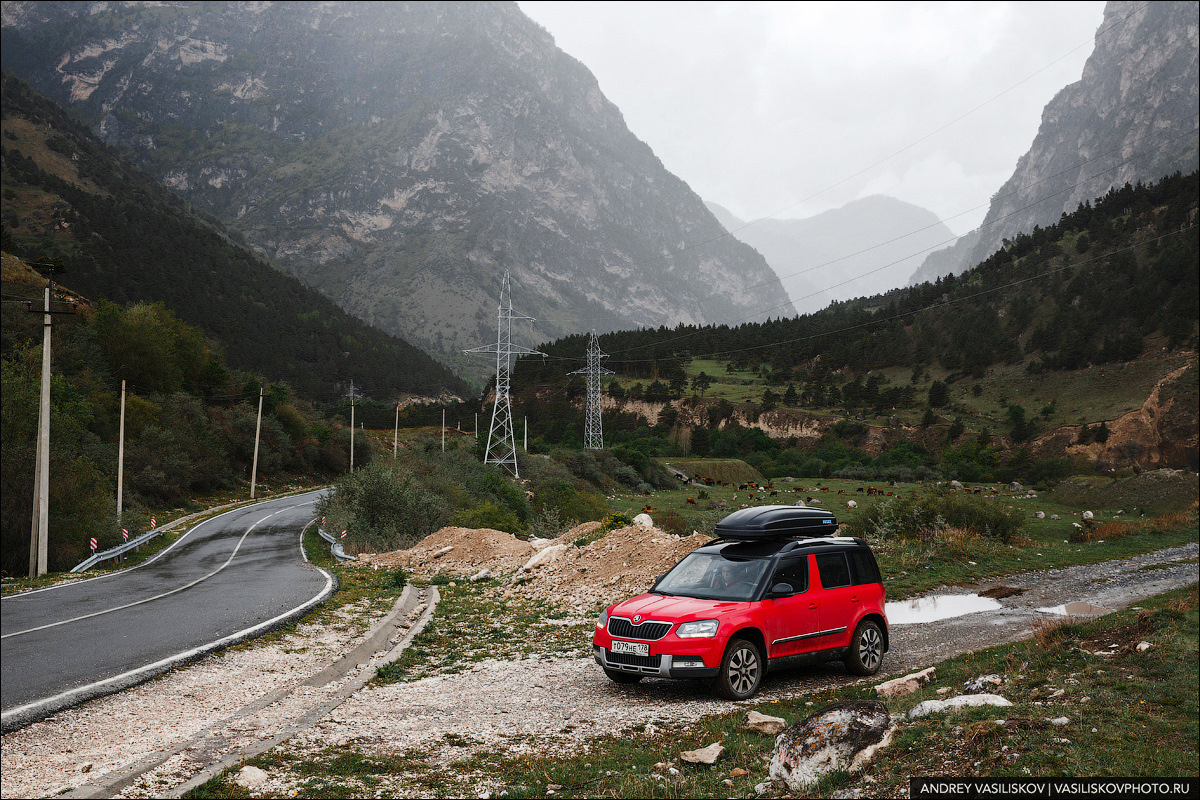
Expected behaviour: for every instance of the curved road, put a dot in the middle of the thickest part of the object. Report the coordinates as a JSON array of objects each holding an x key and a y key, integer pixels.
[{"x": 232, "y": 576}]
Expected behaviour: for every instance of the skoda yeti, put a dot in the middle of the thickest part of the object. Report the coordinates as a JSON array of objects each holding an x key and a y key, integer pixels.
[{"x": 776, "y": 588}]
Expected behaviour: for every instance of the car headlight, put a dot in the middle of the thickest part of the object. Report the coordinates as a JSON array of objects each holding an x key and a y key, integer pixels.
[
  {"x": 700, "y": 629},
  {"x": 602, "y": 620}
]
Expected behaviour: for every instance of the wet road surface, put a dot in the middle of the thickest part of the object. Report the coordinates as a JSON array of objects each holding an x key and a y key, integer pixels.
[{"x": 238, "y": 570}]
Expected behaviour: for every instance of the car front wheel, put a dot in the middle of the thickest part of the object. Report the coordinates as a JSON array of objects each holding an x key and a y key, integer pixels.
[
  {"x": 866, "y": 649},
  {"x": 741, "y": 671}
]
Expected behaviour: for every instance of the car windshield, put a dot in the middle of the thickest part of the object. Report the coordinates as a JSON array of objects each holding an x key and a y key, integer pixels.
[{"x": 713, "y": 576}]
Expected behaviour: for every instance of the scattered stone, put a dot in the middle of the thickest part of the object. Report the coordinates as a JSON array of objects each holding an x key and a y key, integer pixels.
[
  {"x": 704, "y": 755},
  {"x": 955, "y": 485},
  {"x": 1059, "y": 720},
  {"x": 482, "y": 575},
  {"x": 1015, "y": 487},
  {"x": 1039, "y": 515},
  {"x": 1059, "y": 693},
  {"x": 86, "y": 766},
  {"x": 762, "y": 723},
  {"x": 943, "y": 690},
  {"x": 1143, "y": 646},
  {"x": 983, "y": 683},
  {"x": 644, "y": 520},
  {"x": 761, "y": 788},
  {"x": 727, "y": 782},
  {"x": 443, "y": 551},
  {"x": 250, "y": 777},
  {"x": 738, "y": 772},
  {"x": 938, "y": 706},
  {"x": 826, "y": 741},
  {"x": 908, "y": 684},
  {"x": 544, "y": 556},
  {"x": 1087, "y": 515},
  {"x": 1055, "y": 516}
]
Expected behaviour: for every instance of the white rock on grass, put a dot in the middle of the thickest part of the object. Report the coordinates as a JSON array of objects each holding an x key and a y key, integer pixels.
[
  {"x": 906, "y": 684},
  {"x": 643, "y": 520},
  {"x": 704, "y": 755},
  {"x": 938, "y": 706},
  {"x": 250, "y": 777},
  {"x": 762, "y": 723}
]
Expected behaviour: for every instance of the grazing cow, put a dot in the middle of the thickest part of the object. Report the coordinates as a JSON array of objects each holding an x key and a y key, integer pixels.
[
  {"x": 889, "y": 494},
  {"x": 774, "y": 493},
  {"x": 841, "y": 491},
  {"x": 860, "y": 490},
  {"x": 692, "y": 500},
  {"x": 826, "y": 489}
]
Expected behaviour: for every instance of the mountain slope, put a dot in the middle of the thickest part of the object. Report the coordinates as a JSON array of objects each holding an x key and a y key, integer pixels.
[
  {"x": 121, "y": 236},
  {"x": 1133, "y": 116},
  {"x": 864, "y": 248},
  {"x": 400, "y": 156}
]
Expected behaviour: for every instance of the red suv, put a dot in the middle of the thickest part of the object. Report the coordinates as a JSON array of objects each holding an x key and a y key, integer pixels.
[{"x": 776, "y": 588}]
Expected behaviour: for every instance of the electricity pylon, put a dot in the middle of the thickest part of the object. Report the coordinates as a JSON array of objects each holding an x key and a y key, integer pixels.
[
  {"x": 501, "y": 446},
  {"x": 593, "y": 427}
]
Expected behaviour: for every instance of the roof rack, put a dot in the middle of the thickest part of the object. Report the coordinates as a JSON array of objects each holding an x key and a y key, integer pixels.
[{"x": 776, "y": 522}]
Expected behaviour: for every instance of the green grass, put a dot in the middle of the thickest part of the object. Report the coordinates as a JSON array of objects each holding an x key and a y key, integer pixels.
[
  {"x": 1130, "y": 714},
  {"x": 912, "y": 567}
]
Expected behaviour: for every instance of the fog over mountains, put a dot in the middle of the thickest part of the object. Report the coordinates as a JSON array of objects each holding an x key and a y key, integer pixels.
[
  {"x": 400, "y": 157},
  {"x": 864, "y": 248}
]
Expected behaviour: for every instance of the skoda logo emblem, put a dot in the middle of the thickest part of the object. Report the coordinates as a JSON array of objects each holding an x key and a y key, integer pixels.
[{"x": 637, "y": 619}]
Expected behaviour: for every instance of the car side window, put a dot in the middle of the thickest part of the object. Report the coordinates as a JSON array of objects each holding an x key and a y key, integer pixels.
[
  {"x": 833, "y": 569},
  {"x": 793, "y": 571},
  {"x": 863, "y": 568}
]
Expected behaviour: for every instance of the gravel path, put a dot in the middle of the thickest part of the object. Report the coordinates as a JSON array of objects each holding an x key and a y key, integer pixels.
[{"x": 524, "y": 705}]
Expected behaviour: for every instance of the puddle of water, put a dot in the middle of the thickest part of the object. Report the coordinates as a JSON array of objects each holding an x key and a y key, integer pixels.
[
  {"x": 1076, "y": 609},
  {"x": 937, "y": 607}
]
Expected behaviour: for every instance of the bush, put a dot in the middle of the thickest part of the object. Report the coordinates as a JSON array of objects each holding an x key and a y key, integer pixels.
[
  {"x": 926, "y": 517},
  {"x": 673, "y": 523}
]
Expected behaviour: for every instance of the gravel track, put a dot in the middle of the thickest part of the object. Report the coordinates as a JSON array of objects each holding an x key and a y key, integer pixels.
[{"x": 525, "y": 705}]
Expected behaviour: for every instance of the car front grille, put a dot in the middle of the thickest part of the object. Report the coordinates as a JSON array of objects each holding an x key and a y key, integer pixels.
[
  {"x": 633, "y": 661},
  {"x": 646, "y": 632}
]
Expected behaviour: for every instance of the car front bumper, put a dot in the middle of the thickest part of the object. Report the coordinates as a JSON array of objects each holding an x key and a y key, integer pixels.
[{"x": 659, "y": 666}]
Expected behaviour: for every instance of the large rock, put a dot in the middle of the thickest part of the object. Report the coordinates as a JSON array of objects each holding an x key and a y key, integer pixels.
[
  {"x": 907, "y": 684},
  {"x": 703, "y": 755},
  {"x": 826, "y": 741},
  {"x": 250, "y": 777}
]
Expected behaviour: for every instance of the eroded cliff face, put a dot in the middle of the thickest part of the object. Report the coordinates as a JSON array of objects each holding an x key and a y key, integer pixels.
[
  {"x": 399, "y": 157},
  {"x": 1162, "y": 433},
  {"x": 1133, "y": 116}
]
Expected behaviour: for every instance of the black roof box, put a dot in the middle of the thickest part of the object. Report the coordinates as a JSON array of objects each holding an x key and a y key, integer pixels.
[{"x": 773, "y": 522}]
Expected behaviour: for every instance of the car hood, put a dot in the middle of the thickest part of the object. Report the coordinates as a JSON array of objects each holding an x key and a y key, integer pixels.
[{"x": 672, "y": 609}]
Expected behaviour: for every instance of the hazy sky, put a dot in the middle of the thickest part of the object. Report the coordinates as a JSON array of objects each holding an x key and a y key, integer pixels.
[{"x": 786, "y": 109}]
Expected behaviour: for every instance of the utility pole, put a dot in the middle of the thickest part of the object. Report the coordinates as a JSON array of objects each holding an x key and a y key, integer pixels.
[
  {"x": 352, "y": 425},
  {"x": 501, "y": 448},
  {"x": 121, "y": 454},
  {"x": 257, "y": 430},
  {"x": 593, "y": 427},
  {"x": 396, "y": 432},
  {"x": 39, "y": 535}
]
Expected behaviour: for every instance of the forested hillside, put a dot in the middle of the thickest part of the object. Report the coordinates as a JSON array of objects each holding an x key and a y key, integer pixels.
[
  {"x": 117, "y": 235},
  {"x": 1065, "y": 328}
]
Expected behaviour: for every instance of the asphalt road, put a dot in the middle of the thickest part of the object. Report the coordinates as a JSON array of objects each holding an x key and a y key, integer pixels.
[{"x": 232, "y": 576}]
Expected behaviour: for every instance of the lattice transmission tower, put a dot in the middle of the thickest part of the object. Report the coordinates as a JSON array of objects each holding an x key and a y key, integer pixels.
[
  {"x": 593, "y": 427},
  {"x": 501, "y": 446}
]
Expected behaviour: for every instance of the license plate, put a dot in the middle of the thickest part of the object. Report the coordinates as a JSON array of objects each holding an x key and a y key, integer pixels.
[{"x": 632, "y": 648}]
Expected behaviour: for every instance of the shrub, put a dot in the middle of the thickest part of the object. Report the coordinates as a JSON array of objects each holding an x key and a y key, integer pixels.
[
  {"x": 927, "y": 517},
  {"x": 673, "y": 523}
]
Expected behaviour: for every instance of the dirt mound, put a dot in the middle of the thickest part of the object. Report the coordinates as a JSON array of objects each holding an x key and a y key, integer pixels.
[
  {"x": 620, "y": 564},
  {"x": 1156, "y": 490},
  {"x": 472, "y": 549}
]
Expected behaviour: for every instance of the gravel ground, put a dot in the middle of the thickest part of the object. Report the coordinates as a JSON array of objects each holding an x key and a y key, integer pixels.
[{"x": 514, "y": 705}]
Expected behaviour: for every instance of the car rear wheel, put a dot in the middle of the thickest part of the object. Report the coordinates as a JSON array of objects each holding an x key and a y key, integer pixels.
[
  {"x": 741, "y": 671},
  {"x": 866, "y": 649},
  {"x": 616, "y": 676}
]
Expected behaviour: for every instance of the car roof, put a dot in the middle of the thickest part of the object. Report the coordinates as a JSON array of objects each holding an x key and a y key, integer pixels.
[{"x": 766, "y": 548}]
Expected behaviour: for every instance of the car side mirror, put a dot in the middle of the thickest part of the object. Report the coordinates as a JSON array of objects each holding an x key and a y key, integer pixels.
[{"x": 781, "y": 590}]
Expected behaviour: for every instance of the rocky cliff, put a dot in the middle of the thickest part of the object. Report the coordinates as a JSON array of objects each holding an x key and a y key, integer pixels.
[
  {"x": 399, "y": 157},
  {"x": 1133, "y": 116}
]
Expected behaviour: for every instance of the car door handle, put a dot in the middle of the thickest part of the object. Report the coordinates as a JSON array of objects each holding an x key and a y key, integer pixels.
[
  {"x": 812, "y": 606},
  {"x": 853, "y": 598}
]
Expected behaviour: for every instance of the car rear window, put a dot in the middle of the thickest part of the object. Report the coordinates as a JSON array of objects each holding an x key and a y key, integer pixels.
[
  {"x": 863, "y": 568},
  {"x": 833, "y": 569}
]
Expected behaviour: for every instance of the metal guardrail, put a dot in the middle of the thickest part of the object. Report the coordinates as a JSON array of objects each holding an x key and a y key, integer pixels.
[
  {"x": 119, "y": 550},
  {"x": 335, "y": 546}
]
